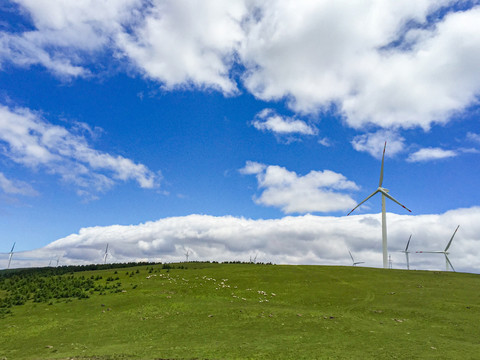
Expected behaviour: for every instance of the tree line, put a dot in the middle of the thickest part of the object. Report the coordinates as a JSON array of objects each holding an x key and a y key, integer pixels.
[{"x": 44, "y": 285}]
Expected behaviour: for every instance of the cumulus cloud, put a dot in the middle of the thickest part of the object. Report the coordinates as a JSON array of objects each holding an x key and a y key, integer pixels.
[
  {"x": 304, "y": 239},
  {"x": 429, "y": 154},
  {"x": 183, "y": 42},
  {"x": 30, "y": 140},
  {"x": 397, "y": 71},
  {"x": 269, "y": 120},
  {"x": 252, "y": 168},
  {"x": 175, "y": 42},
  {"x": 317, "y": 191},
  {"x": 373, "y": 143},
  {"x": 382, "y": 63}
]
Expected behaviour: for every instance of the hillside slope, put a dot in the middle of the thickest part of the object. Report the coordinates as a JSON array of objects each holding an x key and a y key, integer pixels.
[{"x": 251, "y": 311}]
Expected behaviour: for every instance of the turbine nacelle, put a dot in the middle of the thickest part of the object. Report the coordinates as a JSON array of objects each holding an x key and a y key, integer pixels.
[
  {"x": 444, "y": 252},
  {"x": 355, "y": 263}
]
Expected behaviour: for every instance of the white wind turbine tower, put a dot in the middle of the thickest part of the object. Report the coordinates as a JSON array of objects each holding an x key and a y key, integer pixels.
[
  {"x": 353, "y": 261},
  {"x": 50, "y": 262},
  {"x": 385, "y": 194},
  {"x": 105, "y": 256},
  {"x": 10, "y": 255},
  {"x": 406, "y": 252},
  {"x": 444, "y": 252}
]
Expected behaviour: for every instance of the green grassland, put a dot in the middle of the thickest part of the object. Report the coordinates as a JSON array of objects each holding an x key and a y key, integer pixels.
[{"x": 252, "y": 311}]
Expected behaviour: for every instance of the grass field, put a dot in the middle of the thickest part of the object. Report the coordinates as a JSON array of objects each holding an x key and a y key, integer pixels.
[{"x": 248, "y": 311}]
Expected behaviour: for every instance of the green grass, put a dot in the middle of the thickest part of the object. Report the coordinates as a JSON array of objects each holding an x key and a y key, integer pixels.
[{"x": 240, "y": 311}]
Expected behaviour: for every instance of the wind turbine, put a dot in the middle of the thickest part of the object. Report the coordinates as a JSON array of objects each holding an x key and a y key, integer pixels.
[
  {"x": 444, "y": 252},
  {"x": 353, "y": 261},
  {"x": 385, "y": 194},
  {"x": 10, "y": 255},
  {"x": 406, "y": 252},
  {"x": 104, "y": 256},
  {"x": 187, "y": 253}
]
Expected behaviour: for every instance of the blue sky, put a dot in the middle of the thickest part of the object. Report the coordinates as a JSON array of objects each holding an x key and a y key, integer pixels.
[{"x": 139, "y": 113}]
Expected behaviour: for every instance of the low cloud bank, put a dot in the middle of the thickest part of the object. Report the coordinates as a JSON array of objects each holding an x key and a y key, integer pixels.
[{"x": 304, "y": 239}]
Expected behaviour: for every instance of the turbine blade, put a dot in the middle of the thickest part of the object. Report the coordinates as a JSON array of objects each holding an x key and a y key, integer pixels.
[
  {"x": 449, "y": 263},
  {"x": 381, "y": 169},
  {"x": 13, "y": 247},
  {"x": 351, "y": 256},
  {"x": 408, "y": 243},
  {"x": 450, "y": 242},
  {"x": 106, "y": 249},
  {"x": 368, "y": 197},
  {"x": 393, "y": 199}
]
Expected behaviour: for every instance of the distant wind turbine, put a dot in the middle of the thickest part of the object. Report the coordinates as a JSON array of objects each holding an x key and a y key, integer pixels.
[
  {"x": 444, "y": 252},
  {"x": 187, "y": 253},
  {"x": 385, "y": 194},
  {"x": 355, "y": 263},
  {"x": 105, "y": 256},
  {"x": 406, "y": 252},
  {"x": 10, "y": 255}
]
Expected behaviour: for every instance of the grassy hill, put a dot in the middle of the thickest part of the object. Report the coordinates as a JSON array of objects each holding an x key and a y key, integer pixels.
[{"x": 248, "y": 311}]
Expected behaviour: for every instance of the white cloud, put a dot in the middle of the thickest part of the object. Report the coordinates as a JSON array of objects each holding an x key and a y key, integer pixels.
[
  {"x": 325, "y": 142},
  {"x": 16, "y": 187},
  {"x": 23, "y": 52},
  {"x": 373, "y": 143},
  {"x": 175, "y": 42},
  {"x": 473, "y": 137},
  {"x": 32, "y": 141},
  {"x": 386, "y": 63},
  {"x": 316, "y": 191},
  {"x": 269, "y": 120},
  {"x": 333, "y": 52},
  {"x": 187, "y": 43},
  {"x": 469, "y": 150},
  {"x": 429, "y": 154},
  {"x": 252, "y": 168},
  {"x": 67, "y": 33},
  {"x": 291, "y": 240}
]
